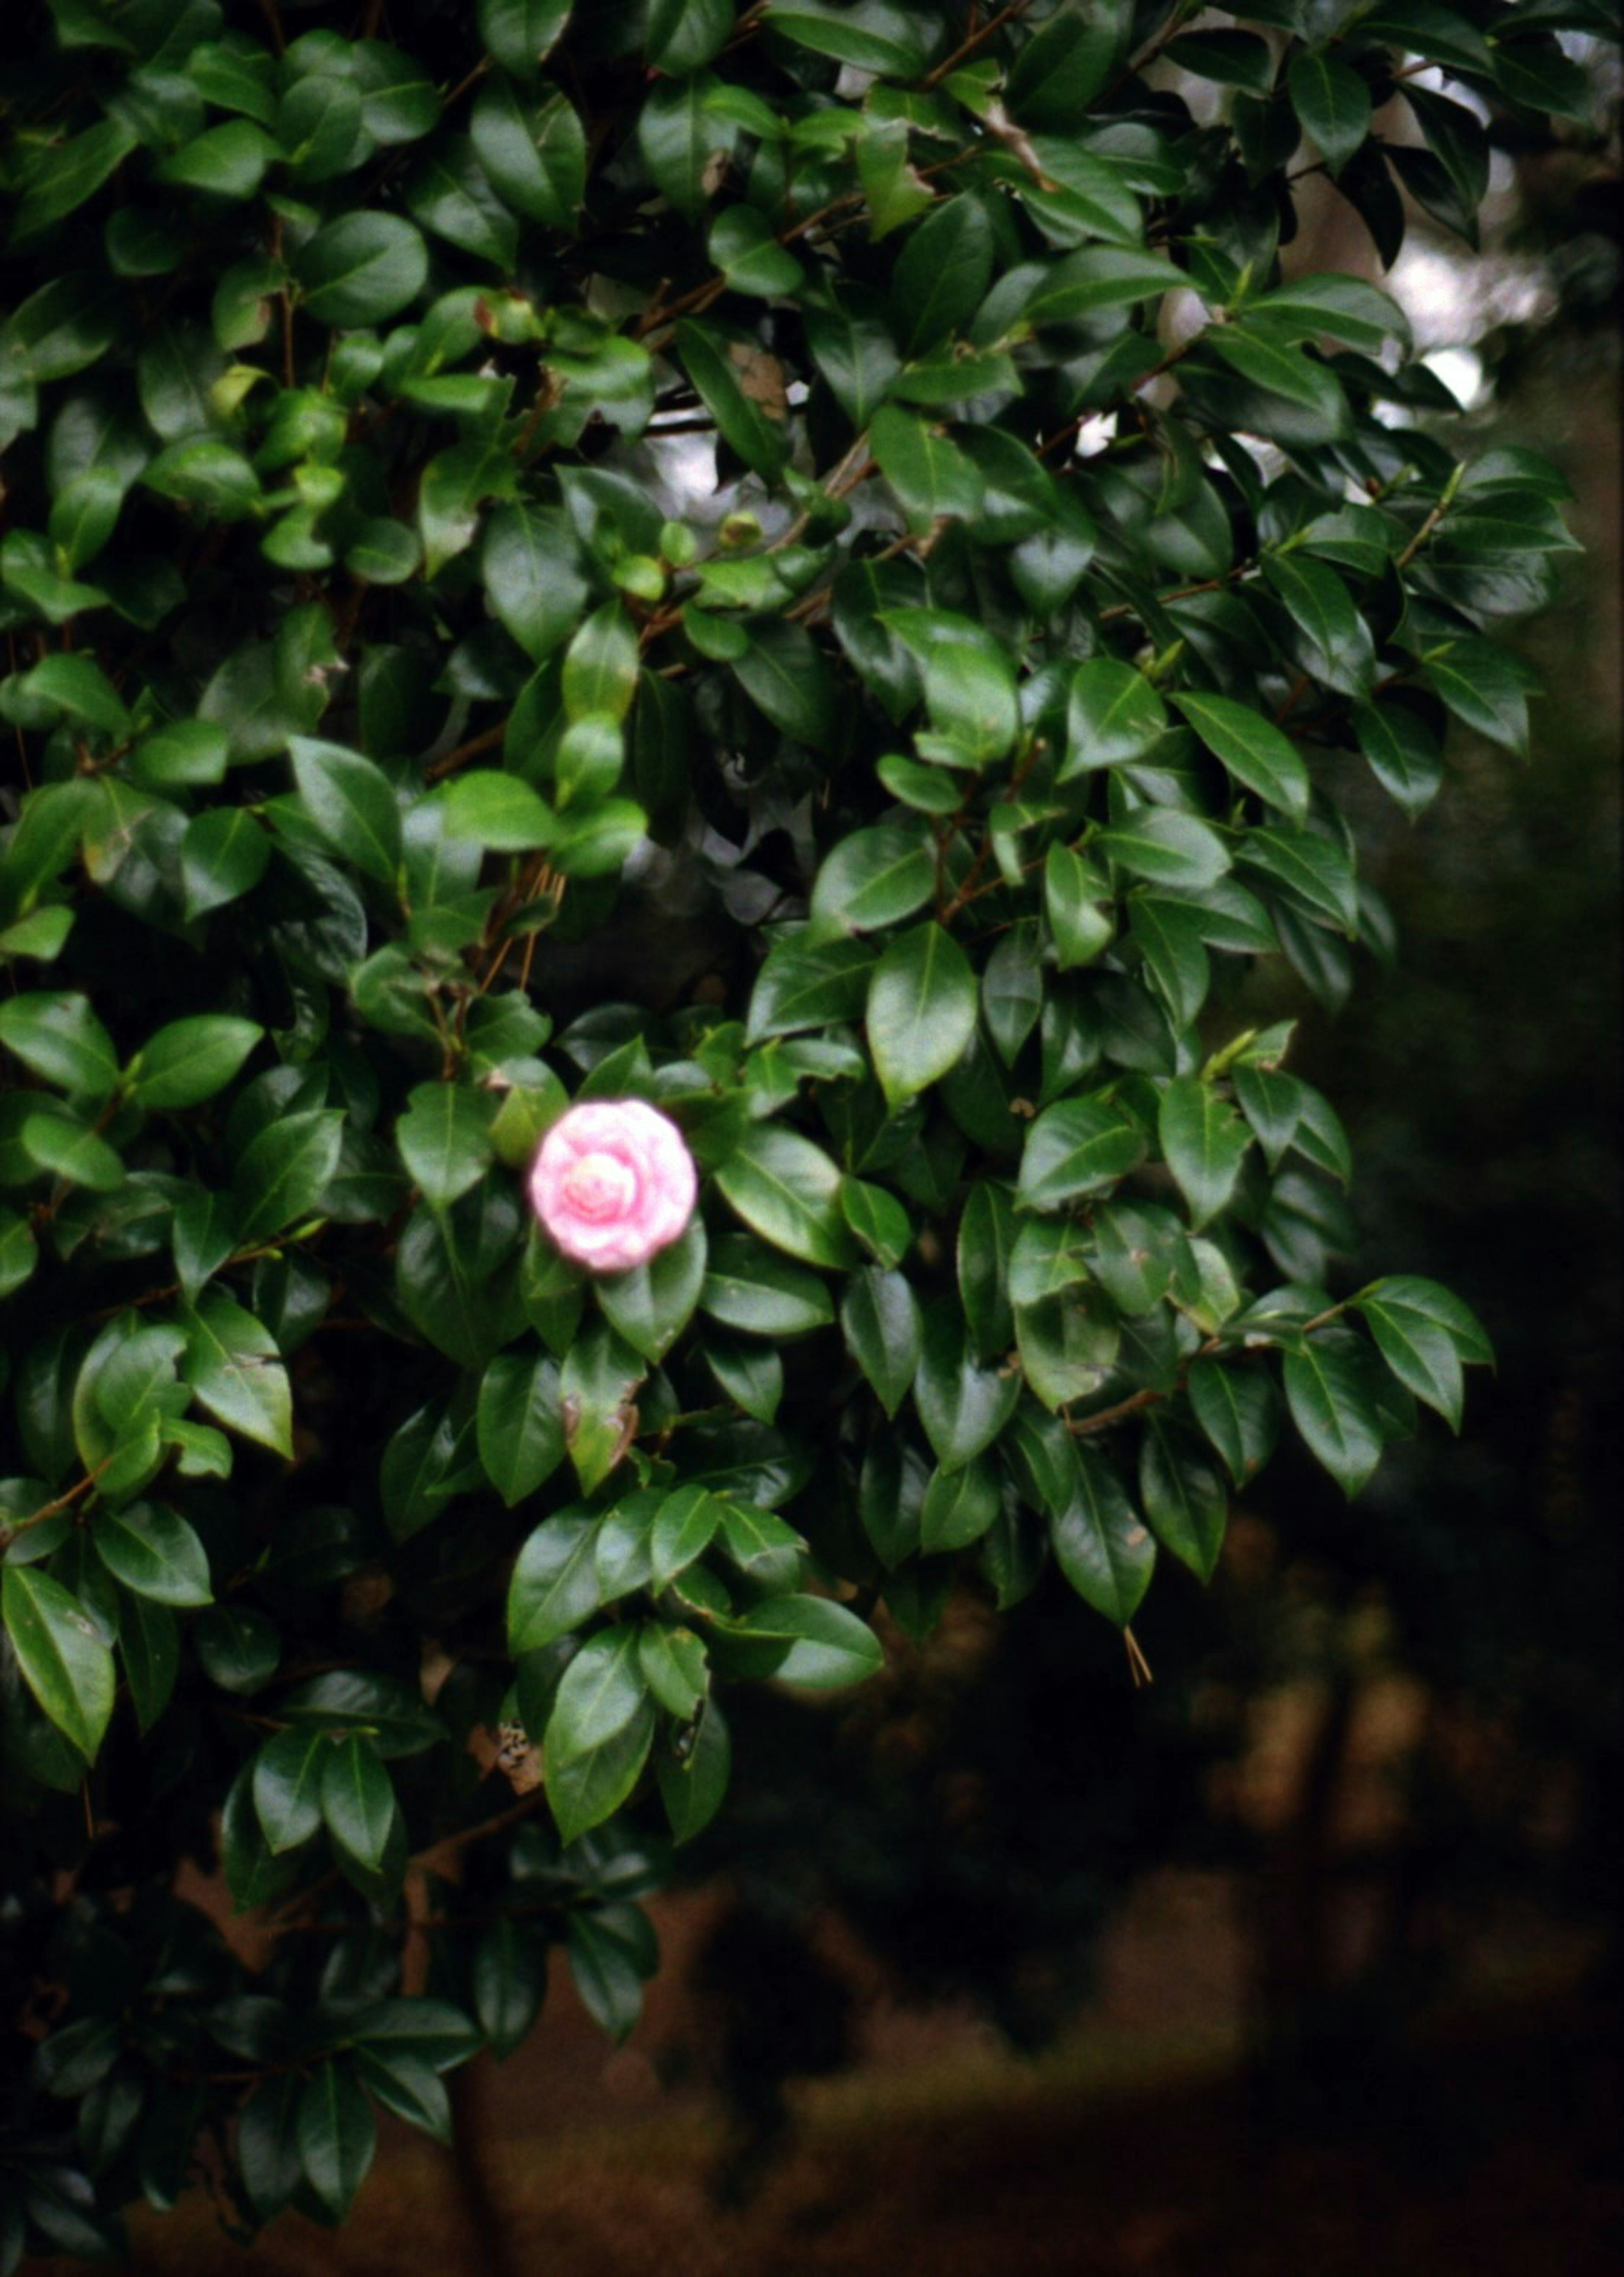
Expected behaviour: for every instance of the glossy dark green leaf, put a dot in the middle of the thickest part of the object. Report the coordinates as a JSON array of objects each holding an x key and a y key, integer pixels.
[
  {"x": 1100, "y": 1543},
  {"x": 1184, "y": 1499},
  {"x": 963, "y": 1404},
  {"x": 357, "y": 1800},
  {"x": 350, "y": 802},
  {"x": 283, "y": 1171},
  {"x": 788, "y": 1190},
  {"x": 62, "y": 1659},
  {"x": 509, "y": 1982},
  {"x": 1075, "y": 1148},
  {"x": 1332, "y": 1405},
  {"x": 533, "y": 153},
  {"x": 883, "y": 1328},
  {"x": 362, "y": 269},
  {"x": 288, "y": 1772},
  {"x": 1205, "y": 1143},
  {"x": 235, "y": 1371},
  {"x": 1333, "y": 103},
  {"x": 922, "y": 1010},
  {"x": 1167, "y": 847},
  {"x": 337, "y": 2137},
  {"x": 190, "y": 1060}
]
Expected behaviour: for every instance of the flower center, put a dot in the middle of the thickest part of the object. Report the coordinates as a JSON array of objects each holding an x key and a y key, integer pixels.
[{"x": 599, "y": 1187}]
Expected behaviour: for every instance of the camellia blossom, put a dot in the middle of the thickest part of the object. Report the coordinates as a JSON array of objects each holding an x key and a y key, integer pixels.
[{"x": 614, "y": 1182}]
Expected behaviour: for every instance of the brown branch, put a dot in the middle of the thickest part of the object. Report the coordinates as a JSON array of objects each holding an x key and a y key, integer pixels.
[
  {"x": 449, "y": 762},
  {"x": 1017, "y": 8}
]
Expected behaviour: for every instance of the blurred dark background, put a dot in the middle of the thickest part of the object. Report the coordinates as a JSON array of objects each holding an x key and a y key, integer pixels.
[{"x": 1307, "y": 1955}]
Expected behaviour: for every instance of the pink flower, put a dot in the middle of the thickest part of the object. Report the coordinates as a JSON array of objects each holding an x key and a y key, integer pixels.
[{"x": 613, "y": 1183}]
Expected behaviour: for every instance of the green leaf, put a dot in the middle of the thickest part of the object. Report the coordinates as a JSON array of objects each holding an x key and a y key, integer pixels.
[
  {"x": 534, "y": 153},
  {"x": 1408, "y": 1293},
  {"x": 876, "y": 37},
  {"x": 529, "y": 562},
  {"x": 337, "y": 2137},
  {"x": 1168, "y": 848},
  {"x": 784, "y": 673},
  {"x": 760, "y": 1294},
  {"x": 652, "y": 1304},
  {"x": 1333, "y": 103},
  {"x": 942, "y": 275},
  {"x": 282, "y": 1173},
  {"x": 1204, "y": 1142},
  {"x": 1100, "y": 1543},
  {"x": 600, "y": 665},
  {"x": 681, "y": 135},
  {"x": 227, "y": 161},
  {"x": 987, "y": 1235},
  {"x": 350, "y": 802},
  {"x": 287, "y": 1786},
  {"x": 684, "y": 1527},
  {"x": 802, "y": 1640},
  {"x": 499, "y": 811},
  {"x": 76, "y": 688},
  {"x": 445, "y": 1138},
  {"x": 873, "y": 878},
  {"x": 1077, "y": 904},
  {"x": 692, "y": 1788},
  {"x": 1114, "y": 716},
  {"x": 1336, "y": 647},
  {"x": 518, "y": 34},
  {"x": 224, "y": 853},
  {"x": 60, "y": 1653},
  {"x": 1423, "y": 1333},
  {"x": 19, "y": 1251},
  {"x": 884, "y": 1330},
  {"x": 788, "y": 1190},
  {"x": 921, "y": 1011},
  {"x": 234, "y": 1368},
  {"x": 149, "y": 1646},
  {"x": 759, "y": 441},
  {"x": 1185, "y": 1498},
  {"x": 153, "y": 1552},
  {"x": 404, "y": 2084},
  {"x": 597, "y": 1386},
  {"x": 1170, "y": 937},
  {"x": 1077, "y": 1148},
  {"x": 931, "y": 477},
  {"x": 598, "y": 1732},
  {"x": 878, "y": 1219},
  {"x": 1480, "y": 685},
  {"x": 555, "y": 1586},
  {"x": 1401, "y": 753},
  {"x": 744, "y": 247},
  {"x": 362, "y": 269},
  {"x": 358, "y": 1802},
  {"x": 850, "y": 344},
  {"x": 60, "y": 1038},
  {"x": 237, "y": 1648},
  {"x": 1252, "y": 748},
  {"x": 963, "y": 1406},
  {"x": 190, "y": 1061},
  {"x": 1100, "y": 277},
  {"x": 811, "y": 984},
  {"x": 1230, "y": 58},
  {"x": 508, "y": 1978},
  {"x": 520, "y": 1426},
  {"x": 1313, "y": 870},
  {"x": 1237, "y": 1408},
  {"x": 1331, "y": 1407}
]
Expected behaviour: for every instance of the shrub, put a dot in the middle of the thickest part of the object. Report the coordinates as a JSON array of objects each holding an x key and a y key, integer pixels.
[{"x": 410, "y": 745}]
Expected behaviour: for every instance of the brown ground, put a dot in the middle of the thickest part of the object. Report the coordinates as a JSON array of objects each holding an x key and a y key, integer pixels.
[{"x": 1130, "y": 2152}]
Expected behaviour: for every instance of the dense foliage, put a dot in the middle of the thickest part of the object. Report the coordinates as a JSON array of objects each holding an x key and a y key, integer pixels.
[{"x": 409, "y": 741}]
